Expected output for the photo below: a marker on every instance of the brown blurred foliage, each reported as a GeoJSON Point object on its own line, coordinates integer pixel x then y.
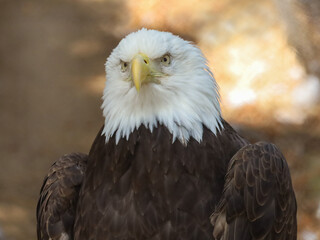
{"type": "Point", "coordinates": [264, 54]}
{"type": "Point", "coordinates": [302, 22]}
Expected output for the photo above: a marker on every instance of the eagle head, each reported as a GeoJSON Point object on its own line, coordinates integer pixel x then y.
{"type": "Point", "coordinates": [157, 78]}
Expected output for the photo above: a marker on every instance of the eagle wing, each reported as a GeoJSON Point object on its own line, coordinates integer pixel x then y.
{"type": "Point", "coordinates": [58, 197]}
{"type": "Point", "coordinates": [258, 200]}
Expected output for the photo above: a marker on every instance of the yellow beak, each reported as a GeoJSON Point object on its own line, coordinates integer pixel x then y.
{"type": "Point", "coordinates": [140, 70]}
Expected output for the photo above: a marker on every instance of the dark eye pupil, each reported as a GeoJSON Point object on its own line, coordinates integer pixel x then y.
{"type": "Point", "coordinates": [125, 64]}
{"type": "Point", "coordinates": [164, 59]}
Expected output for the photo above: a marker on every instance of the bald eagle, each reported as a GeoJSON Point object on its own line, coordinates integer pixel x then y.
{"type": "Point", "coordinates": [166, 165]}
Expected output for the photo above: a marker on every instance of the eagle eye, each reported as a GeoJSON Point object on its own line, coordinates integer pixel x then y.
{"type": "Point", "coordinates": [124, 66]}
{"type": "Point", "coordinates": [165, 60]}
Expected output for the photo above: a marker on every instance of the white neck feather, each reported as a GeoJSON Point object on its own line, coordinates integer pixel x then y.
{"type": "Point", "coordinates": [183, 113]}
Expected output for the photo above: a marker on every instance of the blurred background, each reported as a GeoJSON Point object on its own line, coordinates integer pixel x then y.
{"type": "Point", "coordinates": [265, 55]}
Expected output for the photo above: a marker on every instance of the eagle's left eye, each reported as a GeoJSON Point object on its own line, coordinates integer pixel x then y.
{"type": "Point", "coordinates": [124, 66]}
{"type": "Point", "coordinates": [165, 60]}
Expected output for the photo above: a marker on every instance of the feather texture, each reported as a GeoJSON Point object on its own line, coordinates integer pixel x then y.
{"type": "Point", "coordinates": [58, 197]}
{"type": "Point", "coordinates": [258, 200]}
{"type": "Point", "coordinates": [147, 187]}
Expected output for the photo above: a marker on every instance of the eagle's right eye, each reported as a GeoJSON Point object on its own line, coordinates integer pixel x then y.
{"type": "Point", "coordinates": [165, 60]}
{"type": "Point", "coordinates": [124, 66]}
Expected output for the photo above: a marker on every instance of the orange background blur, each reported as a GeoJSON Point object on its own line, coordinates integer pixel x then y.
{"type": "Point", "coordinates": [265, 56]}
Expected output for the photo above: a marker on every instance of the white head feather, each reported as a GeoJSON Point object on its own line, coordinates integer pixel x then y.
{"type": "Point", "coordinates": [185, 99]}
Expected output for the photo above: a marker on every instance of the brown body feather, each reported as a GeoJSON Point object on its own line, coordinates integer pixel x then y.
{"type": "Point", "coordinates": [58, 196]}
{"type": "Point", "coordinates": [258, 201]}
{"type": "Point", "coordinates": [147, 187]}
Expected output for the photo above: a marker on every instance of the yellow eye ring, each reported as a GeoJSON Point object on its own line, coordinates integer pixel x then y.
{"type": "Point", "coordinates": [165, 60]}
{"type": "Point", "coordinates": [124, 66]}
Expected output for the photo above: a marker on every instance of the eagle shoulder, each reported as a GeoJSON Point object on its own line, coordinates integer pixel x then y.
{"type": "Point", "coordinates": [258, 200]}
{"type": "Point", "coordinates": [58, 197]}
